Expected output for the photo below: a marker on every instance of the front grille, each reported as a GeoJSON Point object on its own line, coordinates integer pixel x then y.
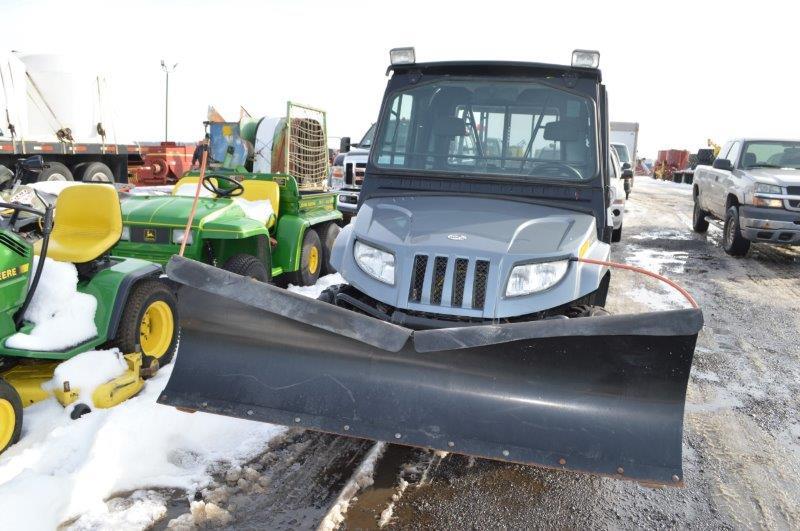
{"type": "Point", "coordinates": [439, 270]}
{"type": "Point", "coordinates": [13, 244]}
{"type": "Point", "coordinates": [459, 281]}
{"type": "Point", "coordinates": [358, 178]}
{"type": "Point", "coordinates": [479, 284]}
{"type": "Point", "coordinates": [793, 190]}
{"type": "Point", "coordinates": [417, 278]}
{"type": "Point", "coordinates": [348, 173]}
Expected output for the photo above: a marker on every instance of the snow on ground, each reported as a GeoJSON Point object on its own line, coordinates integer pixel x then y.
{"type": "Point", "coordinates": [63, 316]}
{"type": "Point", "coordinates": [661, 262]}
{"type": "Point", "coordinates": [62, 468]}
{"type": "Point", "coordinates": [323, 283]}
{"type": "Point", "coordinates": [679, 188]}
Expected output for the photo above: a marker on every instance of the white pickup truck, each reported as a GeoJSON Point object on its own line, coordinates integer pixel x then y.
{"type": "Point", "coordinates": [754, 187]}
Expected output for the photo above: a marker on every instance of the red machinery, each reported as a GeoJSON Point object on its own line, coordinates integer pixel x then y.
{"type": "Point", "coordinates": [162, 163]}
{"type": "Point", "coordinates": [670, 160]}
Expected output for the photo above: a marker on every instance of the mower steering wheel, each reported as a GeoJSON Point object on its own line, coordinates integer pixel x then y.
{"type": "Point", "coordinates": [555, 167]}
{"type": "Point", "coordinates": [236, 187]}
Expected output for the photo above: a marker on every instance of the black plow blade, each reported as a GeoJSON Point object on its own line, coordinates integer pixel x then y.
{"type": "Point", "coordinates": [603, 395]}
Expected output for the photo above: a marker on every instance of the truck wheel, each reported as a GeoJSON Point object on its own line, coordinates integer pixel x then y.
{"type": "Point", "coordinates": [329, 234]}
{"type": "Point", "coordinates": [732, 240]}
{"type": "Point", "coordinates": [247, 266]}
{"type": "Point", "coordinates": [96, 172]}
{"type": "Point", "coordinates": [699, 223]}
{"type": "Point", "coordinates": [616, 234]}
{"type": "Point", "coordinates": [310, 260]}
{"type": "Point", "coordinates": [150, 322]}
{"type": "Point", "coordinates": [10, 415]}
{"type": "Point", "coordinates": [56, 172]}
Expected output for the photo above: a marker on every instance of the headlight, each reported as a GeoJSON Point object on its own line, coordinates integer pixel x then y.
{"type": "Point", "coordinates": [374, 262]}
{"type": "Point", "coordinates": [770, 202]}
{"type": "Point", "coordinates": [177, 237]}
{"type": "Point", "coordinates": [762, 188]}
{"type": "Point", "coordinates": [530, 278]}
{"type": "Point", "coordinates": [126, 233]}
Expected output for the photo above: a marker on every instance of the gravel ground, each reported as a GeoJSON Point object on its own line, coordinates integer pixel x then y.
{"type": "Point", "coordinates": [741, 433]}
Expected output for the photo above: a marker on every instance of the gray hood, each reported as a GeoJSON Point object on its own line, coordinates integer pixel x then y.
{"type": "Point", "coordinates": [431, 235]}
{"type": "Point", "coordinates": [776, 176]}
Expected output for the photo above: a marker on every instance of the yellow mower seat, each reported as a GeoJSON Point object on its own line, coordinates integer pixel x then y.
{"type": "Point", "coordinates": [88, 223]}
{"type": "Point", "coordinates": [256, 190]}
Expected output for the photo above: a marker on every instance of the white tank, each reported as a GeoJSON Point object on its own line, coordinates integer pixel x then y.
{"type": "Point", "coordinates": [65, 92]}
{"type": "Point", "coordinates": [12, 92]}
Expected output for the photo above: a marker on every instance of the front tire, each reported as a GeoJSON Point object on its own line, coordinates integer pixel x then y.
{"type": "Point", "coordinates": [310, 260]}
{"type": "Point", "coordinates": [10, 415]}
{"type": "Point", "coordinates": [150, 322]}
{"type": "Point", "coordinates": [732, 240]}
{"type": "Point", "coordinates": [247, 266]}
{"type": "Point", "coordinates": [699, 222]}
{"type": "Point", "coordinates": [55, 172]}
{"type": "Point", "coordinates": [97, 172]}
{"type": "Point", "coordinates": [616, 235]}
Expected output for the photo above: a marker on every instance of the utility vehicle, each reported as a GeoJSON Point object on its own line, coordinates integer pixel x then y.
{"type": "Point", "coordinates": [477, 269]}
{"type": "Point", "coordinates": [275, 226]}
{"type": "Point", "coordinates": [136, 309]}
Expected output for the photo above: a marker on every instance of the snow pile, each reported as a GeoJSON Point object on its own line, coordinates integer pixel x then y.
{"type": "Point", "coordinates": [258, 210]}
{"type": "Point", "coordinates": [54, 187]}
{"type": "Point", "coordinates": [322, 284]}
{"type": "Point", "coordinates": [661, 262]}
{"type": "Point", "coordinates": [362, 479]}
{"type": "Point", "coordinates": [62, 316]}
{"type": "Point", "coordinates": [88, 370]}
{"type": "Point", "coordinates": [62, 468]}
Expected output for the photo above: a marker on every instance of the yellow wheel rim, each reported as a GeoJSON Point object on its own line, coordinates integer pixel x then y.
{"type": "Point", "coordinates": [8, 421]}
{"type": "Point", "coordinates": [313, 260]}
{"type": "Point", "coordinates": [156, 329]}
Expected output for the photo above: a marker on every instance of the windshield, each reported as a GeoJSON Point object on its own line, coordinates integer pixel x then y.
{"type": "Point", "coordinates": [622, 152]}
{"type": "Point", "coordinates": [518, 128]}
{"type": "Point", "coordinates": [366, 141]}
{"type": "Point", "coordinates": [771, 154]}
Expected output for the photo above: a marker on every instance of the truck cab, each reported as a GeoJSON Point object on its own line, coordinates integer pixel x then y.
{"type": "Point", "coordinates": [347, 174]}
{"type": "Point", "coordinates": [753, 186]}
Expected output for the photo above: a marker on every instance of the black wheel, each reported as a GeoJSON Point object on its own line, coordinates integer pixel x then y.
{"type": "Point", "coordinates": [732, 240]}
{"type": "Point", "coordinates": [150, 322]}
{"type": "Point", "coordinates": [79, 410]}
{"type": "Point", "coordinates": [586, 310]}
{"type": "Point", "coordinates": [95, 172]}
{"type": "Point", "coordinates": [329, 294]}
{"type": "Point", "coordinates": [247, 266]}
{"type": "Point", "coordinates": [616, 234]}
{"type": "Point", "coordinates": [10, 415]}
{"type": "Point", "coordinates": [310, 260]}
{"type": "Point", "coordinates": [329, 234]}
{"type": "Point", "coordinates": [55, 172]}
{"type": "Point", "coordinates": [699, 222]}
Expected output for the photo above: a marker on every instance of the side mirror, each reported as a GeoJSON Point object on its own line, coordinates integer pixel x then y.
{"type": "Point", "coordinates": [344, 144]}
{"type": "Point", "coordinates": [626, 166]}
{"type": "Point", "coordinates": [723, 164]}
{"type": "Point", "coordinates": [34, 164]}
{"type": "Point", "coordinates": [627, 173]}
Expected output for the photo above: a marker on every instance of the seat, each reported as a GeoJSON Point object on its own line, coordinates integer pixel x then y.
{"type": "Point", "coordinates": [188, 186]}
{"type": "Point", "coordinates": [88, 222]}
{"type": "Point", "coordinates": [749, 160]}
{"type": "Point", "coordinates": [258, 190]}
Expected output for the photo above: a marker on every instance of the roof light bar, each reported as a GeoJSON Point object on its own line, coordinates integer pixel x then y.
{"type": "Point", "coordinates": [586, 58]}
{"type": "Point", "coordinates": [402, 56]}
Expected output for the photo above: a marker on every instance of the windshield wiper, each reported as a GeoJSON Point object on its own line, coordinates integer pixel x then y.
{"type": "Point", "coordinates": [762, 165]}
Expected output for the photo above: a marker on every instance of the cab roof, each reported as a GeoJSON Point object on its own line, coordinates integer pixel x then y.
{"type": "Point", "coordinates": [495, 68]}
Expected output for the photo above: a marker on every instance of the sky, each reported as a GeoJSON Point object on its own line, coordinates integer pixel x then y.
{"type": "Point", "coordinates": [686, 71]}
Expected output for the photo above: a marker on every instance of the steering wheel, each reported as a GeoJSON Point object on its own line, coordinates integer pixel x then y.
{"type": "Point", "coordinates": [555, 167]}
{"type": "Point", "coordinates": [236, 187]}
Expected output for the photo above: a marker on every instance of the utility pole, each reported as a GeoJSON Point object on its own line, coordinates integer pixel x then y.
{"type": "Point", "coordinates": [167, 70]}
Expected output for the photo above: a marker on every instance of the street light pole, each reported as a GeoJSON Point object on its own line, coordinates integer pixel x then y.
{"type": "Point", "coordinates": [167, 70]}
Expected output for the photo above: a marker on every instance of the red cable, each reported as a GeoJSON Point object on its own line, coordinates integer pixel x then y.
{"type": "Point", "coordinates": [644, 272]}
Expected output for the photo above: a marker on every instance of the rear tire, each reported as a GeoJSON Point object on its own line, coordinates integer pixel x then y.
{"type": "Point", "coordinates": [150, 322]}
{"type": "Point", "coordinates": [96, 172]}
{"type": "Point", "coordinates": [699, 222]}
{"type": "Point", "coordinates": [616, 234]}
{"type": "Point", "coordinates": [55, 172]}
{"type": "Point", "coordinates": [10, 415]}
{"type": "Point", "coordinates": [732, 240]}
{"type": "Point", "coordinates": [247, 266]}
{"type": "Point", "coordinates": [329, 234]}
{"type": "Point", "coordinates": [310, 260]}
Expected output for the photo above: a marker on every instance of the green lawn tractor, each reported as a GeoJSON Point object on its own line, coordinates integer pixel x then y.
{"type": "Point", "coordinates": [136, 309]}
{"type": "Point", "coordinates": [270, 221]}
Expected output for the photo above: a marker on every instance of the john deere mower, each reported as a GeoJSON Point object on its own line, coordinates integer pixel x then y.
{"type": "Point", "coordinates": [477, 273]}
{"type": "Point", "coordinates": [136, 309]}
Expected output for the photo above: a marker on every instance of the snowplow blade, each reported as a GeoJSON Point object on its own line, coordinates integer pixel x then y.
{"type": "Point", "coordinates": [603, 395]}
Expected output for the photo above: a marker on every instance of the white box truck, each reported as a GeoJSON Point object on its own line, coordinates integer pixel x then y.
{"type": "Point", "coordinates": [626, 133]}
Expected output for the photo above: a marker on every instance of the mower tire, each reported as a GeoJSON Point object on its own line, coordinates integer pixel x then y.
{"type": "Point", "coordinates": [329, 234]}
{"type": "Point", "coordinates": [10, 415]}
{"type": "Point", "coordinates": [150, 322]}
{"type": "Point", "coordinates": [311, 256]}
{"type": "Point", "coordinates": [247, 266]}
